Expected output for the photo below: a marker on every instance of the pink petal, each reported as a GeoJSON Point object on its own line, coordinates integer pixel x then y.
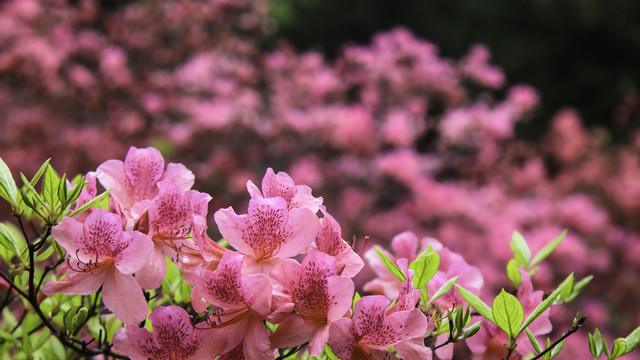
{"type": "Point", "coordinates": [343, 338]}
{"type": "Point", "coordinates": [341, 292]}
{"type": "Point", "coordinates": [293, 331]}
{"type": "Point", "coordinates": [303, 226]}
{"type": "Point", "coordinates": [253, 189]}
{"type": "Point", "coordinates": [287, 274]}
{"type": "Point", "coordinates": [111, 176]}
{"type": "Point", "coordinates": [125, 340]}
{"type": "Point", "coordinates": [405, 245]}
{"type": "Point", "coordinates": [123, 296]}
{"type": "Point", "coordinates": [400, 326]}
{"type": "Point", "coordinates": [76, 283]}
{"type": "Point", "coordinates": [134, 256]}
{"type": "Point", "coordinates": [170, 214]}
{"type": "Point", "coordinates": [257, 293]}
{"type": "Point", "coordinates": [231, 226]}
{"type": "Point", "coordinates": [143, 168]}
{"type": "Point", "coordinates": [369, 314]}
{"type": "Point", "coordinates": [224, 288]}
{"type": "Point", "coordinates": [256, 342]}
{"type": "Point", "coordinates": [102, 235]}
{"type": "Point", "coordinates": [150, 276]}
{"type": "Point", "coordinates": [319, 340]}
{"type": "Point", "coordinates": [172, 329]}
{"type": "Point", "coordinates": [415, 349]}
{"type": "Point", "coordinates": [69, 235]}
{"type": "Point", "coordinates": [180, 175]}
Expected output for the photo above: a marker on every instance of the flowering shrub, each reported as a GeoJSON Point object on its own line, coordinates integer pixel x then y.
{"type": "Point", "coordinates": [143, 243]}
{"type": "Point", "coordinates": [394, 137]}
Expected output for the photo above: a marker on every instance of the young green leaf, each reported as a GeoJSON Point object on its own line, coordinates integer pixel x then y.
{"type": "Point", "coordinates": [472, 330]}
{"type": "Point", "coordinates": [520, 249]}
{"type": "Point", "coordinates": [8, 188]}
{"type": "Point", "coordinates": [556, 350]}
{"type": "Point", "coordinates": [513, 273]}
{"type": "Point", "coordinates": [619, 348]}
{"type": "Point", "coordinates": [508, 313]}
{"type": "Point", "coordinates": [50, 184]}
{"type": "Point", "coordinates": [595, 344]}
{"type": "Point", "coordinates": [393, 268]}
{"type": "Point", "coordinates": [577, 287]}
{"type": "Point", "coordinates": [545, 304]}
{"type": "Point", "coordinates": [443, 289]}
{"type": "Point", "coordinates": [548, 249]}
{"type": "Point", "coordinates": [633, 340]}
{"type": "Point", "coordinates": [533, 341]}
{"type": "Point", "coordinates": [91, 203]}
{"type": "Point", "coordinates": [424, 267]}
{"type": "Point", "coordinates": [475, 302]}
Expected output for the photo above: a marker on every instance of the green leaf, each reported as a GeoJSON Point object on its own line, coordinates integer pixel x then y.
{"type": "Point", "coordinates": [45, 254]}
{"type": "Point", "coordinates": [41, 339]}
{"type": "Point", "coordinates": [63, 189]}
{"type": "Point", "coordinates": [424, 267]}
{"type": "Point", "coordinates": [633, 340]}
{"type": "Point", "coordinates": [595, 344]}
{"type": "Point", "coordinates": [577, 287]}
{"type": "Point", "coordinates": [69, 316]}
{"type": "Point", "coordinates": [545, 304]}
{"type": "Point", "coordinates": [393, 268]}
{"type": "Point", "coordinates": [472, 330]}
{"type": "Point", "coordinates": [533, 341]}
{"type": "Point", "coordinates": [520, 249]}
{"type": "Point", "coordinates": [356, 297]}
{"type": "Point", "coordinates": [548, 249]}
{"type": "Point", "coordinates": [38, 174]}
{"type": "Point", "coordinates": [89, 204]}
{"type": "Point", "coordinates": [330, 355]}
{"type": "Point", "coordinates": [556, 350]}
{"type": "Point", "coordinates": [513, 273]}
{"type": "Point", "coordinates": [508, 313]}
{"type": "Point", "coordinates": [475, 302]}
{"type": "Point", "coordinates": [50, 184]}
{"type": "Point", "coordinates": [8, 188]}
{"type": "Point", "coordinates": [443, 289]}
{"type": "Point", "coordinates": [619, 348]}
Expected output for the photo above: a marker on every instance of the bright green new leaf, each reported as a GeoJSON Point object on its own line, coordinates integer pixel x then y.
{"type": "Point", "coordinates": [475, 302]}
{"type": "Point", "coordinates": [548, 249]}
{"type": "Point", "coordinates": [63, 189]}
{"type": "Point", "coordinates": [595, 344]}
{"type": "Point", "coordinates": [472, 330]}
{"type": "Point", "coordinates": [424, 267]}
{"type": "Point", "coordinates": [577, 287]}
{"type": "Point", "coordinates": [330, 355]}
{"type": "Point", "coordinates": [8, 188]}
{"type": "Point", "coordinates": [520, 249]}
{"type": "Point", "coordinates": [533, 341]}
{"type": "Point", "coordinates": [546, 303]}
{"type": "Point", "coordinates": [557, 349]}
{"type": "Point", "coordinates": [393, 268]}
{"type": "Point", "coordinates": [91, 203]}
{"type": "Point", "coordinates": [443, 289]}
{"type": "Point", "coordinates": [633, 340]}
{"type": "Point", "coordinates": [356, 297]}
{"type": "Point", "coordinates": [508, 313]}
{"type": "Point", "coordinates": [513, 272]}
{"type": "Point", "coordinates": [619, 348]}
{"type": "Point", "coordinates": [50, 183]}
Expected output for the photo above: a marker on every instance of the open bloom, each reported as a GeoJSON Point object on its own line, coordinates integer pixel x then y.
{"type": "Point", "coordinates": [372, 330]}
{"type": "Point", "coordinates": [312, 297]}
{"type": "Point", "coordinates": [168, 219]}
{"type": "Point", "coordinates": [269, 233]}
{"type": "Point", "coordinates": [173, 338]}
{"type": "Point", "coordinates": [101, 254]}
{"type": "Point", "coordinates": [329, 241]}
{"type": "Point", "coordinates": [282, 185]}
{"type": "Point", "coordinates": [243, 304]}
{"type": "Point", "coordinates": [135, 179]}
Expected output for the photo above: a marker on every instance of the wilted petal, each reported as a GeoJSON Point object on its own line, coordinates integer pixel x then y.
{"type": "Point", "coordinates": [123, 296]}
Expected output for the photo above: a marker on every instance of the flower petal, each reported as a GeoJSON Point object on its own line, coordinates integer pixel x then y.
{"type": "Point", "coordinates": [291, 332]}
{"type": "Point", "coordinates": [111, 176]}
{"type": "Point", "coordinates": [231, 226]}
{"type": "Point", "coordinates": [136, 252]}
{"type": "Point", "coordinates": [76, 283]}
{"type": "Point", "coordinates": [126, 339]}
{"type": "Point", "coordinates": [150, 276]}
{"type": "Point", "coordinates": [180, 175]}
{"type": "Point", "coordinates": [123, 296]}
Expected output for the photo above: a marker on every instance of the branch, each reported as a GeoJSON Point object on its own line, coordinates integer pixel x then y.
{"type": "Point", "coordinates": [580, 319]}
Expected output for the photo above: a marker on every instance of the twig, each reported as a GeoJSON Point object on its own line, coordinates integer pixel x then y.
{"type": "Point", "coordinates": [580, 319]}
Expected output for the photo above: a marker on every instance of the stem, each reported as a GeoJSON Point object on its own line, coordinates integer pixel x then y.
{"type": "Point", "coordinates": [449, 340]}
{"type": "Point", "coordinates": [580, 319]}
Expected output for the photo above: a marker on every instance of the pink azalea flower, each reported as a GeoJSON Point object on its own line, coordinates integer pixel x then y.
{"type": "Point", "coordinates": [135, 179]}
{"type": "Point", "coordinates": [372, 331]}
{"type": "Point", "coordinates": [174, 337]}
{"type": "Point", "coordinates": [168, 219]}
{"type": "Point", "coordinates": [244, 302]}
{"type": "Point", "coordinates": [101, 254]}
{"type": "Point", "coordinates": [269, 232]}
{"type": "Point", "coordinates": [281, 184]}
{"type": "Point", "coordinates": [329, 241]}
{"type": "Point", "coordinates": [488, 342]}
{"type": "Point", "coordinates": [313, 296]}
{"type": "Point", "coordinates": [405, 245]}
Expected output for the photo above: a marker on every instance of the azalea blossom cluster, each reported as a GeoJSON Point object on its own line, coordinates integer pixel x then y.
{"type": "Point", "coordinates": [395, 136]}
{"type": "Point", "coordinates": [288, 268]}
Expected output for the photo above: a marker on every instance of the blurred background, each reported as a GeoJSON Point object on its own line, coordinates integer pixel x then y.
{"type": "Point", "coordinates": [463, 120]}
